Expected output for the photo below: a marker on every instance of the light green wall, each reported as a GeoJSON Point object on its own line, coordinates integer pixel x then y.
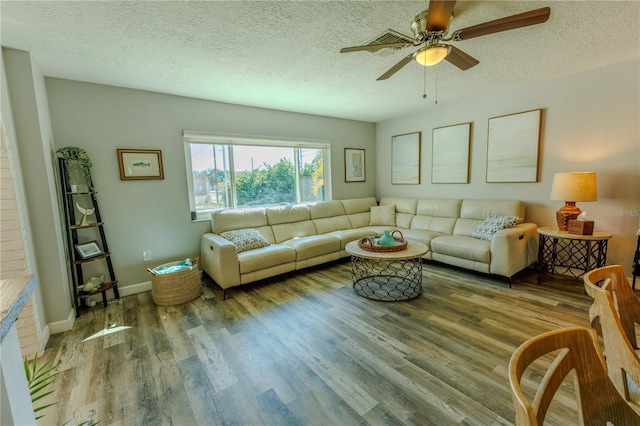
{"type": "Point", "coordinates": [154, 214]}
{"type": "Point", "coordinates": [590, 123]}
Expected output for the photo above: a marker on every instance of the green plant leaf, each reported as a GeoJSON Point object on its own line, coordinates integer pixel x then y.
{"type": "Point", "coordinates": [27, 370]}
{"type": "Point", "coordinates": [35, 410]}
{"type": "Point", "coordinates": [40, 379]}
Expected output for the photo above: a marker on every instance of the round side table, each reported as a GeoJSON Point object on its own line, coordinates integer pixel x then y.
{"type": "Point", "coordinates": [560, 252]}
{"type": "Point", "coordinates": [387, 276]}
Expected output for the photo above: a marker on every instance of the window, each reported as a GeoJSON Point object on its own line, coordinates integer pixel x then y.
{"type": "Point", "coordinates": [237, 172]}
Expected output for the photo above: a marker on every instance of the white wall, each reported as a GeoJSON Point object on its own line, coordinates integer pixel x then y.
{"type": "Point", "coordinates": [590, 123]}
{"type": "Point", "coordinates": [29, 141]}
{"type": "Point", "coordinates": [154, 214]}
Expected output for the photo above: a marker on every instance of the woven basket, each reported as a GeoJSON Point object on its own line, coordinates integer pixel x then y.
{"type": "Point", "coordinates": [177, 287]}
{"type": "Point", "coordinates": [368, 245]}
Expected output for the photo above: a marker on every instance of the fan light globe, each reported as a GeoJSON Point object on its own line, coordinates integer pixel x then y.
{"type": "Point", "coordinates": [432, 55]}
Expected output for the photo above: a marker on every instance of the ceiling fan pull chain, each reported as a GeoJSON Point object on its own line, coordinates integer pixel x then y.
{"type": "Point", "coordinates": [424, 87]}
{"type": "Point", "coordinates": [436, 85]}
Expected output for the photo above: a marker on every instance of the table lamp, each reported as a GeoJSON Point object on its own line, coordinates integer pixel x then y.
{"type": "Point", "coordinates": [572, 187]}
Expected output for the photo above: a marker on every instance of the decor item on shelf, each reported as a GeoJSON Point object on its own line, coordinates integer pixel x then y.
{"type": "Point", "coordinates": [572, 187]}
{"type": "Point", "coordinates": [386, 240]}
{"type": "Point", "coordinates": [93, 283]}
{"type": "Point", "coordinates": [78, 167]}
{"type": "Point", "coordinates": [89, 250]}
{"type": "Point", "coordinates": [84, 212]}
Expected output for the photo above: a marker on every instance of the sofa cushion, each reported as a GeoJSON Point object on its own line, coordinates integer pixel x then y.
{"type": "Point", "coordinates": [403, 204]}
{"type": "Point", "coordinates": [314, 245]}
{"type": "Point", "coordinates": [487, 229]}
{"type": "Point", "coordinates": [383, 215]}
{"type": "Point", "coordinates": [439, 207]}
{"type": "Point", "coordinates": [462, 247]}
{"type": "Point", "coordinates": [347, 235]}
{"type": "Point", "coordinates": [358, 205]}
{"type": "Point", "coordinates": [265, 257]}
{"type": "Point", "coordinates": [420, 235]}
{"type": "Point", "coordinates": [326, 209]}
{"type": "Point", "coordinates": [329, 224]}
{"type": "Point", "coordinates": [481, 209]}
{"type": "Point", "coordinates": [359, 220]}
{"type": "Point", "coordinates": [287, 214]}
{"type": "Point", "coordinates": [228, 220]}
{"type": "Point", "coordinates": [245, 239]}
{"type": "Point", "coordinates": [443, 225]}
{"type": "Point", "coordinates": [358, 211]}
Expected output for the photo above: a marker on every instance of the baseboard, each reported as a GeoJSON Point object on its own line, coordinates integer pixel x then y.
{"type": "Point", "coordinates": [135, 289]}
{"type": "Point", "coordinates": [67, 324]}
{"type": "Point", "coordinates": [64, 325]}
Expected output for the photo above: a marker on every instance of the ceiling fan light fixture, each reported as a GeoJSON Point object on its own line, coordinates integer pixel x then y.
{"type": "Point", "coordinates": [432, 55]}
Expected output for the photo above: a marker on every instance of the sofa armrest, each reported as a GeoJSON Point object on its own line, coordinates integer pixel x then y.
{"type": "Point", "coordinates": [513, 249]}
{"type": "Point", "coordinates": [219, 259]}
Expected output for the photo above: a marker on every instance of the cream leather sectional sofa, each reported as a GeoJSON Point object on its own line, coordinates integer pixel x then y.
{"type": "Point", "coordinates": [300, 236]}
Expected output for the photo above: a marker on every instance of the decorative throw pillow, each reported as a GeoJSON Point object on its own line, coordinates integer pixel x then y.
{"type": "Point", "coordinates": [493, 224]}
{"type": "Point", "coordinates": [383, 215]}
{"type": "Point", "coordinates": [245, 239]}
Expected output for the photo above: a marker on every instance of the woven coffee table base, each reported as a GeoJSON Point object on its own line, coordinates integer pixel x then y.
{"type": "Point", "coordinates": [387, 280]}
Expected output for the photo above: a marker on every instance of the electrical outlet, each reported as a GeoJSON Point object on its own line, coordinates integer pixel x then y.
{"type": "Point", "coordinates": [146, 255]}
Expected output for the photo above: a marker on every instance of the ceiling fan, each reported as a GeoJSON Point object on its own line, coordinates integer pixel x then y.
{"type": "Point", "coordinates": [430, 29]}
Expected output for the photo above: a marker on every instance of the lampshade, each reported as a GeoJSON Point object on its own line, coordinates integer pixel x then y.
{"type": "Point", "coordinates": [574, 186]}
{"type": "Point", "coordinates": [432, 55]}
{"type": "Point", "coordinates": [571, 187]}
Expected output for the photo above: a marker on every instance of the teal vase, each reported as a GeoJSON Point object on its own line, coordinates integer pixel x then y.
{"type": "Point", "coordinates": [386, 240]}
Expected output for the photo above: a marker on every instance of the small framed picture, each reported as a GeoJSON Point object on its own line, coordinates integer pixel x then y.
{"type": "Point", "coordinates": [138, 164]}
{"type": "Point", "coordinates": [89, 250]}
{"type": "Point", "coordinates": [354, 165]}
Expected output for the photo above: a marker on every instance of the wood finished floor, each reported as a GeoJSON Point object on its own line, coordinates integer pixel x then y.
{"type": "Point", "coordinates": [304, 349]}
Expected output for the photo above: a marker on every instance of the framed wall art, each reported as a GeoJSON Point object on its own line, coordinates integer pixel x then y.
{"type": "Point", "coordinates": [354, 170]}
{"type": "Point", "coordinates": [450, 154]}
{"type": "Point", "coordinates": [89, 250]}
{"type": "Point", "coordinates": [512, 147]}
{"type": "Point", "coordinates": [138, 164]}
{"type": "Point", "coordinates": [405, 158]}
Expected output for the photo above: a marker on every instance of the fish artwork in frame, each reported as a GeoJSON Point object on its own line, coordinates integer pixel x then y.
{"type": "Point", "coordinates": [139, 164]}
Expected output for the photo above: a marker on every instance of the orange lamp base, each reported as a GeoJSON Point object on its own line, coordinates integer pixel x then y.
{"type": "Point", "coordinates": [566, 213]}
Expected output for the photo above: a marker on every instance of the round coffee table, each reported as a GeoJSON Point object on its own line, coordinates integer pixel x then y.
{"type": "Point", "coordinates": [387, 276]}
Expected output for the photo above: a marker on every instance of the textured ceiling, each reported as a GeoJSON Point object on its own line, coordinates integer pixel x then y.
{"type": "Point", "coordinates": [285, 54]}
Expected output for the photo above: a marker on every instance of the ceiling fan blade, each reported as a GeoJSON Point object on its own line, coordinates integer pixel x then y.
{"type": "Point", "coordinates": [394, 69]}
{"type": "Point", "coordinates": [460, 59]}
{"type": "Point", "coordinates": [520, 20]}
{"type": "Point", "coordinates": [440, 12]}
{"type": "Point", "coordinates": [374, 47]}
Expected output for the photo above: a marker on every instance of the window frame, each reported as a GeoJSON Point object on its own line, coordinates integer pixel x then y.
{"type": "Point", "coordinates": [201, 137]}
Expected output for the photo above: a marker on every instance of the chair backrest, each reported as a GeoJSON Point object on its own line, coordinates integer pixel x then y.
{"type": "Point", "coordinates": [614, 312]}
{"type": "Point", "coordinates": [598, 400]}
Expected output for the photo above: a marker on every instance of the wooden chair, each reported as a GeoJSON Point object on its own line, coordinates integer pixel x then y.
{"type": "Point", "coordinates": [614, 313]}
{"type": "Point", "coordinates": [598, 400]}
